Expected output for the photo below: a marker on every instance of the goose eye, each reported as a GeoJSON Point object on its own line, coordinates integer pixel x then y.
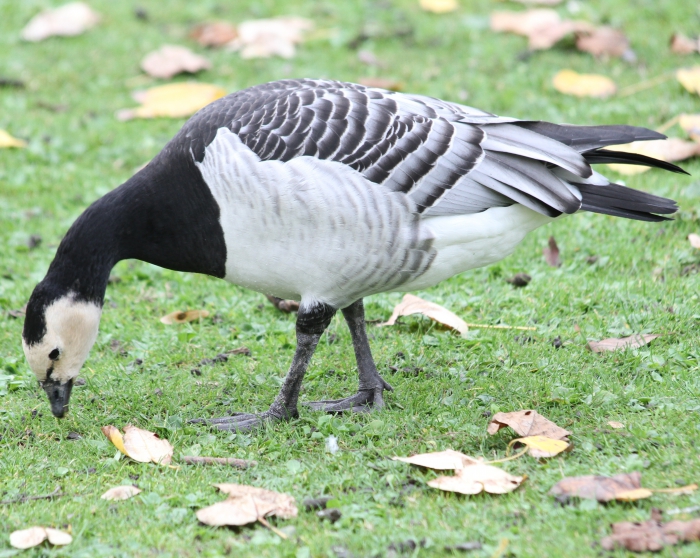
{"type": "Point", "coordinates": [53, 355]}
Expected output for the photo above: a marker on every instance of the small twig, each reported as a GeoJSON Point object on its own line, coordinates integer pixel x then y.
{"type": "Point", "coordinates": [55, 494]}
{"type": "Point", "coordinates": [272, 528]}
{"type": "Point", "coordinates": [668, 124]}
{"type": "Point", "coordinates": [232, 461]}
{"type": "Point", "coordinates": [521, 328]}
{"type": "Point", "coordinates": [642, 85]}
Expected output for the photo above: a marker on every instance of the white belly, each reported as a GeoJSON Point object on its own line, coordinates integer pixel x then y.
{"type": "Point", "coordinates": [466, 242]}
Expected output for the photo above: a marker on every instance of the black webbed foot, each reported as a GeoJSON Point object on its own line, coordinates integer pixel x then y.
{"type": "Point", "coordinates": [364, 401]}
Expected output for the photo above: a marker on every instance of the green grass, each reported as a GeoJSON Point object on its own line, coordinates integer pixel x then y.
{"type": "Point", "coordinates": [81, 151]}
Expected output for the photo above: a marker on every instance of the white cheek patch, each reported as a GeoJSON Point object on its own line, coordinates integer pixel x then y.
{"type": "Point", "coordinates": [71, 326]}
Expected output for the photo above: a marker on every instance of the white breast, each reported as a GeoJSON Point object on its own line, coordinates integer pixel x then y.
{"type": "Point", "coordinates": [310, 228]}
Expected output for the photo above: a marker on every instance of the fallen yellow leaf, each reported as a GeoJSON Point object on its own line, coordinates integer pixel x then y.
{"type": "Point", "coordinates": [477, 478]}
{"type": "Point", "coordinates": [439, 6]}
{"type": "Point", "coordinates": [669, 150]}
{"type": "Point", "coordinates": [689, 78]}
{"type": "Point", "coordinates": [583, 85]}
{"type": "Point", "coordinates": [113, 435]}
{"type": "Point", "coordinates": [174, 100]}
{"type": "Point", "coordinates": [178, 317]}
{"type": "Point", "coordinates": [140, 445]}
{"type": "Point", "coordinates": [6, 140]}
{"type": "Point", "coordinates": [411, 304]}
{"type": "Point", "coordinates": [543, 447]}
{"type": "Point", "coordinates": [632, 495]}
{"type": "Point", "coordinates": [121, 492]}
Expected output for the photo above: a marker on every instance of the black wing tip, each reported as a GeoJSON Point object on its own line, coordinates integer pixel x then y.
{"type": "Point", "coordinates": [621, 201]}
{"type": "Point", "coordinates": [608, 156]}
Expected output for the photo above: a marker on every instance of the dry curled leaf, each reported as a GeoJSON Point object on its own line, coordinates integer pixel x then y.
{"type": "Point", "coordinates": [170, 60]}
{"type": "Point", "coordinates": [121, 492]}
{"type": "Point", "coordinates": [447, 460]}
{"type": "Point", "coordinates": [542, 447]}
{"type": "Point", "coordinates": [34, 536]}
{"type": "Point", "coordinates": [439, 6]}
{"type": "Point", "coordinates": [6, 140]}
{"type": "Point", "coordinates": [694, 240]}
{"type": "Point", "coordinates": [140, 445]}
{"type": "Point", "coordinates": [214, 34]}
{"type": "Point", "coordinates": [624, 486]}
{"type": "Point", "coordinates": [174, 100]}
{"type": "Point", "coordinates": [67, 20]}
{"type": "Point", "coordinates": [246, 504]}
{"type": "Point", "coordinates": [583, 85]}
{"type": "Point", "coordinates": [411, 304]}
{"type": "Point", "coordinates": [651, 535]}
{"type": "Point", "coordinates": [262, 38]}
{"type": "Point", "coordinates": [603, 41]}
{"type": "Point", "coordinates": [669, 150]}
{"type": "Point", "coordinates": [476, 478]}
{"type": "Point", "coordinates": [613, 344]}
{"type": "Point", "coordinates": [551, 253]}
{"type": "Point", "coordinates": [179, 317]}
{"type": "Point", "coordinates": [527, 423]}
{"type": "Point", "coordinates": [680, 44]}
{"type": "Point", "coordinates": [689, 78]}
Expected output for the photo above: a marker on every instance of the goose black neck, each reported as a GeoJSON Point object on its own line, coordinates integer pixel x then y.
{"type": "Point", "coordinates": [164, 215]}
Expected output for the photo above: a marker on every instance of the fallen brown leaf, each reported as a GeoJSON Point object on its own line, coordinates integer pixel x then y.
{"type": "Point", "coordinates": [6, 140]}
{"type": "Point", "coordinates": [174, 100]}
{"type": "Point", "coordinates": [615, 424]}
{"type": "Point", "coordinates": [551, 253]}
{"type": "Point", "coordinates": [542, 447]}
{"type": "Point", "coordinates": [381, 83]}
{"type": "Point", "coordinates": [476, 478]}
{"type": "Point", "coordinates": [262, 38]}
{"type": "Point", "coordinates": [603, 41]}
{"type": "Point", "coordinates": [543, 27]}
{"type": "Point", "coordinates": [179, 317]}
{"type": "Point", "coordinates": [625, 486]}
{"type": "Point", "coordinates": [214, 34]}
{"type": "Point", "coordinates": [246, 504]}
{"type": "Point", "coordinates": [283, 305]}
{"type": "Point", "coordinates": [34, 536]}
{"type": "Point", "coordinates": [583, 85]}
{"type": "Point", "coordinates": [694, 240]}
{"type": "Point", "coordinates": [519, 280]}
{"type": "Point", "coordinates": [669, 150]}
{"type": "Point", "coordinates": [613, 344]}
{"type": "Point", "coordinates": [439, 6]}
{"type": "Point", "coordinates": [680, 44]}
{"type": "Point", "coordinates": [411, 304]}
{"type": "Point", "coordinates": [121, 492]}
{"type": "Point", "coordinates": [691, 125]}
{"type": "Point", "coordinates": [140, 445]}
{"type": "Point", "coordinates": [651, 535]}
{"type": "Point", "coordinates": [447, 460]}
{"type": "Point", "coordinates": [67, 21]}
{"type": "Point", "coordinates": [170, 60]}
{"type": "Point", "coordinates": [527, 423]}
{"type": "Point", "coordinates": [689, 78]}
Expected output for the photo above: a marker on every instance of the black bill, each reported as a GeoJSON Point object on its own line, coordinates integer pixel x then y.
{"type": "Point", "coordinates": [59, 395]}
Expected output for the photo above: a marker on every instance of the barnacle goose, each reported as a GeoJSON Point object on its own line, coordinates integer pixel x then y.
{"type": "Point", "coordinates": [326, 192]}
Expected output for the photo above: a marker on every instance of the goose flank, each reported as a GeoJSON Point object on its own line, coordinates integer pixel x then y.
{"type": "Point", "coordinates": [326, 192]}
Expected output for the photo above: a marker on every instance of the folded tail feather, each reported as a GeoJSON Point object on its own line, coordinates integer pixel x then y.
{"type": "Point", "coordinates": [622, 201]}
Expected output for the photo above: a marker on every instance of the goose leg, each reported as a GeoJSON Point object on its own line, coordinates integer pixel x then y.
{"type": "Point", "coordinates": [372, 385]}
{"type": "Point", "coordinates": [311, 323]}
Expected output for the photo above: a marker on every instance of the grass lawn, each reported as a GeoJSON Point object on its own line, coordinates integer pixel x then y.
{"type": "Point", "coordinates": [139, 371]}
